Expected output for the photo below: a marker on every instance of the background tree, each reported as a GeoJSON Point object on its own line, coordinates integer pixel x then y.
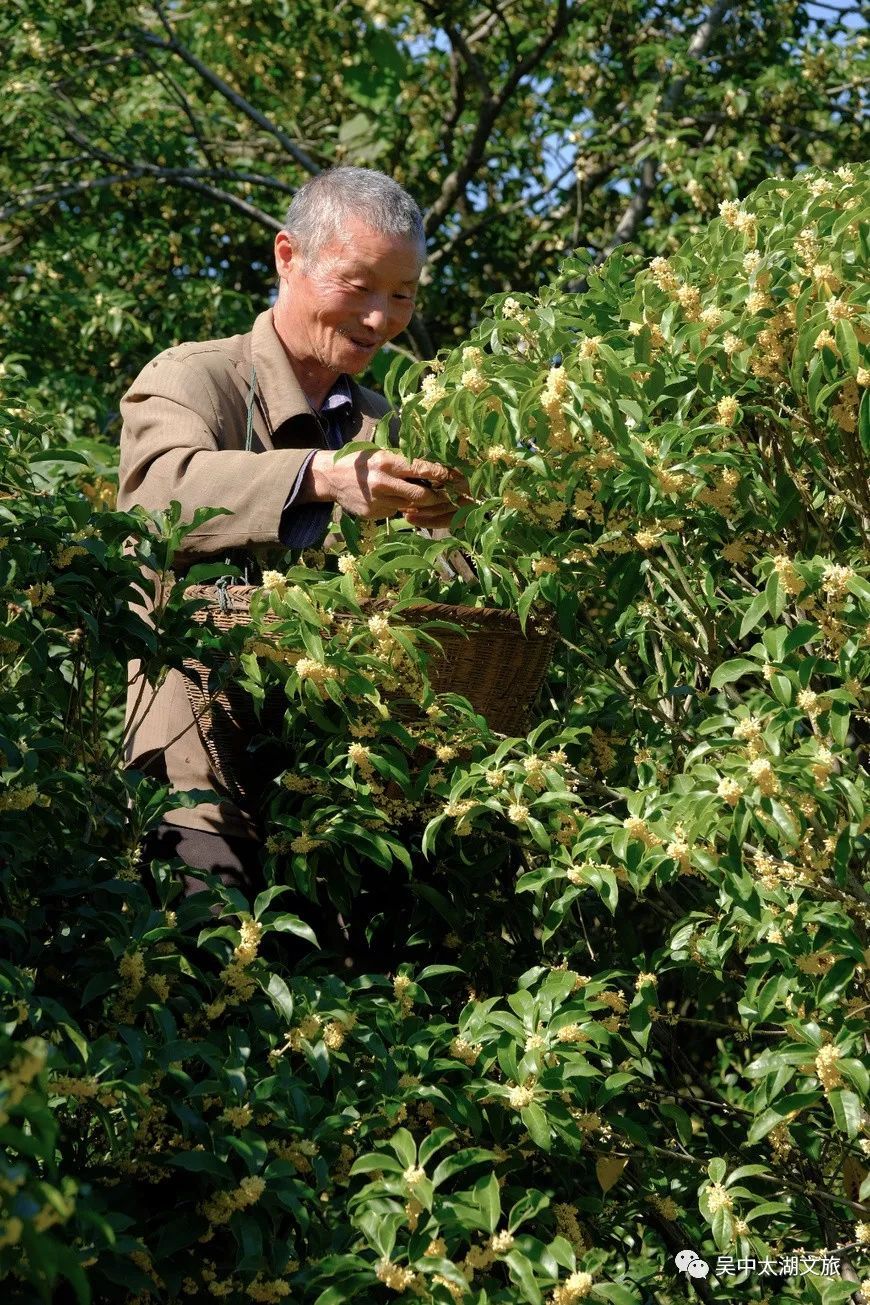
{"type": "Point", "coordinates": [151, 151]}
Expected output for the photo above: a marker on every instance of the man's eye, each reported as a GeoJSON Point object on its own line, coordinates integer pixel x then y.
{"type": "Point", "coordinates": [361, 289]}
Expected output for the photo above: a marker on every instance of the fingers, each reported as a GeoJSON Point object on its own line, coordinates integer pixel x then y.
{"type": "Point", "coordinates": [434, 517]}
{"type": "Point", "coordinates": [406, 492]}
{"type": "Point", "coordinates": [432, 471]}
{"type": "Point", "coordinates": [419, 469]}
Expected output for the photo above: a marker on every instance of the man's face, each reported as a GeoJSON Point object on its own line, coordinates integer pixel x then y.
{"type": "Point", "coordinates": [356, 293]}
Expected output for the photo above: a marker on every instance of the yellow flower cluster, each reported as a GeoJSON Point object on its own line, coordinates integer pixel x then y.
{"type": "Point", "coordinates": [727, 410]}
{"type": "Point", "coordinates": [307, 668]}
{"type": "Point", "coordinates": [762, 772]}
{"type": "Point", "coordinates": [823, 766]}
{"type": "Point", "coordinates": [235, 974]}
{"type": "Point", "coordinates": [80, 1089]}
{"type": "Point", "coordinates": [67, 554]}
{"type": "Point", "coordinates": [274, 582]}
{"type": "Point", "coordinates": [718, 1198]}
{"type": "Point", "coordinates": [298, 1153]}
{"type": "Point", "coordinates": [268, 1289]}
{"type": "Point", "coordinates": [40, 594]}
{"type": "Point", "coordinates": [18, 1076]}
{"type": "Point", "coordinates": [576, 1287]}
{"type": "Point", "coordinates": [835, 582]}
{"type": "Point", "coordinates": [465, 1051]}
{"type": "Point", "coordinates": [826, 1068]}
{"type": "Point", "coordinates": [570, 1034]}
{"type": "Point", "coordinates": [334, 1035]}
{"type": "Point", "coordinates": [521, 1096]}
{"type": "Point", "coordinates": [238, 1116]}
{"type": "Point", "coordinates": [220, 1208]}
{"type": "Point", "coordinates": [360, 756]}
{"type": "Point", "coordinates": [432, 392]}
{"type": "Point", "coordinates": [512, 309]}
{"type": "Point", "coordinates": [640, 830]}
{"type": "Point", "coordinates": [553, 399]}
{"type": "Point", "coordinates": [19, 799]}
{"type": "Point", "coordinates": [720, 495]}
{"type": "Point", "coordinates": [131, 967]}
{"type": "Point", "coordinates": [666, 1206]}
{"type": "Point", "coordinates": [648, 538]}
{"type": "Point", "coordinates": [474, 381]}
{"type": "Point", "coordinates": [518, 814]}
{"type": "Point", "coordinates": [568, 1225]}
{"type": "Point", "coordinates": [396, 1276]}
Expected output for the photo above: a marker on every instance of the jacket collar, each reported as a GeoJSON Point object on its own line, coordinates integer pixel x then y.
{"type": "Point", "coordinates": [277, 387]}
{"type": "Point", "coordinates": [279, 390]}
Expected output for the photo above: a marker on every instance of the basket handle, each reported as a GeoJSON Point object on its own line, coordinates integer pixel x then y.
{"type": "Point", "coordinates": [222, 583]}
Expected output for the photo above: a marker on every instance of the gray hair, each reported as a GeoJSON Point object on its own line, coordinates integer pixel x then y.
{"type": "Point", "coordinates": [322, 205]}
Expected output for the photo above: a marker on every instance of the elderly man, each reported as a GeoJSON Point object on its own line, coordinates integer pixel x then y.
{"type": "Point", "coordinates": [348, 260]}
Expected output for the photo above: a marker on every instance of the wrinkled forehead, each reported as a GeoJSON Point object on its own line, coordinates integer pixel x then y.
{"type": "Point", "coordinates": [363, 250]}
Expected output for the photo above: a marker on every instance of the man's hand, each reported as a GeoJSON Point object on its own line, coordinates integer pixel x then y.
{"type": "Point", "coordinates": [380, 483]}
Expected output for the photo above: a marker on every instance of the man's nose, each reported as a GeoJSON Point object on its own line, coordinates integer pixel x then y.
{"type": "Point", "coordinates": [376, 313]}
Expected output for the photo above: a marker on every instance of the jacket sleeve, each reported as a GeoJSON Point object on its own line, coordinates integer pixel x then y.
{"type": "Point", "coordinates": [171, 448]}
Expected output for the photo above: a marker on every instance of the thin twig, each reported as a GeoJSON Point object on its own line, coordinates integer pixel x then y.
{"type": "Point", "coordinates": [174, 46]}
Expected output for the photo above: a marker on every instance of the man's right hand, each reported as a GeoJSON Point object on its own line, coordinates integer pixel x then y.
{"type": "Point", "coordinates": [380, 483]}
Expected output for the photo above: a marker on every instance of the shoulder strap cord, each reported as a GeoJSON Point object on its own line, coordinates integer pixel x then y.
{"type": "Point", "coordinates": [224, 581]}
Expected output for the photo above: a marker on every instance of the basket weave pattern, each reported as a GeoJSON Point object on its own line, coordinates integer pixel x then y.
{"type": "Point", "coordinates": [489, 661]}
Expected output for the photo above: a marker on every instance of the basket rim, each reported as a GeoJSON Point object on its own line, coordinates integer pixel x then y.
{"type": "Point", "coordinates": [459, 613]}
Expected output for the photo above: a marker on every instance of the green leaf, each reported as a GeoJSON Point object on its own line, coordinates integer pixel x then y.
{"type": "Point", "coordinates": [526, 1208]}
{"type": "Point", "coordinates": [377, 1161]}
{"type": "Point", "coordinates": [723, 1229]}
{"type": "Point", "coordinates": [523, 1277]}
{"type": "Point", "coordinates": [267, 896]}
{"type": "Point", "coordinates": [848, 344]}
{"type": "Point", "coordinates": [538, 1128]}
{"type": "Point", "coordinates": [488, 1196]}
{"type": "Point", "coordinates": [680, 1118]}
{"type": "Point", "coordinates": [454, 1164]}
{"type": "Point", "coordinates": [199, 1162]}
{"type": "Point", "coordinates": [732, 670]}
{"type": "Point", "coordinates": [847, 1111]}
{"type": "Point", "coordinates": [282, 998]}
{"type": "Point", "coordinates": [405, 1147]}
{"type": "Point", "coordinates": [616, 1293]}
{"type": "Point", "coordinates": [754, 612]}
{"type": "Point", "coordinates": [717, 1170]}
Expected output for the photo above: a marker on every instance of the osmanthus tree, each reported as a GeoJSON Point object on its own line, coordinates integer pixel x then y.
{"type": "Point", "coordinates": [617, 1001]}
{"type": "Point", "coordinates": [150, 150]}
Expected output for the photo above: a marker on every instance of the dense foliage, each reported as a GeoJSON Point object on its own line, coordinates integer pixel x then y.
{"type": "Point", "coordinates": [614, 1003]}
{"type": "Point", "coordinates": [150, 150]}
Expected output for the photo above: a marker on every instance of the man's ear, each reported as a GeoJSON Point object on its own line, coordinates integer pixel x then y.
{"type": "Point", "coordinates": [285, 254]}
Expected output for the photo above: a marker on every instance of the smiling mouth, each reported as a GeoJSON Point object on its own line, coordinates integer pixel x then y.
{"type": "Point", "coordinates": [360, 342]}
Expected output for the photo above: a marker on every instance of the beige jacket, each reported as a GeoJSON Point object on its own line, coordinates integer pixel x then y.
{"type": "Point", "coordinates": [184, 438]}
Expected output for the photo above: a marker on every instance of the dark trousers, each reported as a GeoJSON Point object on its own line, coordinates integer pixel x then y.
{"type": "Point", "coordinates": [235, 861]}
{"type": "Point", "coordinates": [238, 863]}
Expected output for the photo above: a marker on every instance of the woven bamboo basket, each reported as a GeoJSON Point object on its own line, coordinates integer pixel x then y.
{"type": "Point", "coordinates": [488, 660]}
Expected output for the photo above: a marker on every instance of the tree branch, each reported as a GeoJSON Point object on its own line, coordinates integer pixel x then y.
{"type": "Point", "coordinates": [184, 177]}
{"type": "Point", "coordinates": [174, 46]}
{"type": "Point", "coordinates": [461, 46]}
{"type": "Point", "coordinates": [638, 205]}
{"type": "Point", "coordinates": [592, 176]}
{"type": "Point", "coordinates": [457, 181]}
{"type": "Point", "coordinates": [186, 108]}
